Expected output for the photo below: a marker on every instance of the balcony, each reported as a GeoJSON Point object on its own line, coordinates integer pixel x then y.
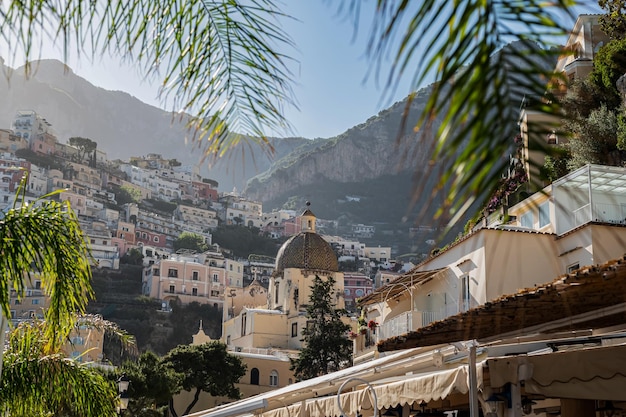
{"type": "Point", "coordinates": [412, 320]}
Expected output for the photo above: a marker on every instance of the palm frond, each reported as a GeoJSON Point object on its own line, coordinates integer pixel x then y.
{"type": "Point", "coordinates": [45, 239]}
{"type": "Point", "coordinates": [479, 85]}
{"type": "Point", "coordinates": [218, 60]}
{"type": "Point", "coordinates": [35, 383]}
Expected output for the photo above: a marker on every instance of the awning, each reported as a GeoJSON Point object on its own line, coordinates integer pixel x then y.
{"type": "Point", "coordinates": [407, 390]}
{"type": "Point", "coordinates": [593, 373]}
{"type": "Point", "coordinates": [395, 364]}
{"type": "Point", "coordinates": [399, 285]}
{"type": "Point", "coordinates": [398, 378]}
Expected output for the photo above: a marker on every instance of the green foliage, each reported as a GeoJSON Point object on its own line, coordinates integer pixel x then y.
{"type": "Point", "coordinates": [39, 382]}
{"type": "Point", "coordinates": [556, 165]}
{"type": "Point", "coordinates": [609, 64]}
{"type": "Point", "coordinates": [327, 348]}
{"type": "Point", "coordinates": [46, 238]}
{"type": "Point", "coordinates": [207, 367]}
{"type": "Point", "coordinates": [621, 131]}
{"type": "Point", "coordinates": [132, 257]}
{"type": "Point", "coordinates": [127, 194]}
{"type": "Point", "coordinates": [243, 241]}
{"type": "Point", "coordinates": [594, 139]}
{"type": "Point", "coordinates": [47, 161]}
{"type": "Point", "coordinates": [613, 22]}
{"type": "Point", "coordinates": [161, 206]}
{"type": "Point", "coordinates": [152, 383]}
{"type": "Point", "coordinates": [184, 320]}
{"type": "Point", "coordinates": [191, 241]}
{"type": "Point", "coordinates": [85, 146]}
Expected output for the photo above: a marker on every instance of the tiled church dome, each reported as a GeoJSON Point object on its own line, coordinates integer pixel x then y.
{"type": "Point", "coordinates": [306, 250]}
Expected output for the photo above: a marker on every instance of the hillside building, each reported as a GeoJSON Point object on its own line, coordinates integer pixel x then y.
{"type": "Point", "coordinates": [11, 142]}
{"type": "Point", "coordinates": [186, 278]}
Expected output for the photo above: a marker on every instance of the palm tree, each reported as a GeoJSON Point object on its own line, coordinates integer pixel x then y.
{"type": "Point", "coordinates": [223, 61]}
{"type": "Point", "coordinates": [37, 382]}
{"type": "Point", "coordinates": [44, 239]}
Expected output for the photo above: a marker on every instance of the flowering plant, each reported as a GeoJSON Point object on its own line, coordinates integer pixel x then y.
{"type": "Point", "coordinates": [352, 335]}
{"type": "Point", "coordinates": [372, 324]}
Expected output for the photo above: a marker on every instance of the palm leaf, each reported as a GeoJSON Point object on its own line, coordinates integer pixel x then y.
{"type": "Point", "coordinates": [218, 60]}
{"type": "Point", "coordinates": [45, 239]}
{"type": "Point", "coordinates": [35, 383]}
{"type": "Point", "coordinates": [478, 87]}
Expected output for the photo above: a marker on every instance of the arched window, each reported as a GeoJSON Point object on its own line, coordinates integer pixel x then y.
{"type": "Point", "coordinates": [254, 376]}
{"type": "Point", "coordinates": [274, 378]}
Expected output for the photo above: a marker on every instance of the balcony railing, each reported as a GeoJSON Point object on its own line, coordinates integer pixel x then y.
{"type": "Point", "coordinates": [412, 320]}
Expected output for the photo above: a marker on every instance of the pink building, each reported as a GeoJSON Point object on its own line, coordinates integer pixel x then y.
{"type": "Point", "coordinates": [355, 286]}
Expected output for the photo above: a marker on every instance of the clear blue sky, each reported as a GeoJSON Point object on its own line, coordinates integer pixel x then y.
{"type": "Point", "coordinates": [330, 86]}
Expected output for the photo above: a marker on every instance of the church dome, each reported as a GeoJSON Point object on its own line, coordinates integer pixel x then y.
{"type": "Point", "coordinates": [307, 250]}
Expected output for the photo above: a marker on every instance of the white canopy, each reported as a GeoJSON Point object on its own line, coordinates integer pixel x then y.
{"type": "Point", "coordinates": [394, 378]}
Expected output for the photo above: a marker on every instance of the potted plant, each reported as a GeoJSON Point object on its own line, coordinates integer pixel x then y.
{"type": "Point", "coordinates": [372, 325]}
{"type": "Point", "coordinates": [352, 335]}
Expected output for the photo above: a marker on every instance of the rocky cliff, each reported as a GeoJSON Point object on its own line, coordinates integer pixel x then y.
{"type": "Point", "coordinates": [370, 150]}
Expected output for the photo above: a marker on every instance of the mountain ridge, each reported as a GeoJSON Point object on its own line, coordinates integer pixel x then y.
{"type": "Point", "coordinates": [121, 124]}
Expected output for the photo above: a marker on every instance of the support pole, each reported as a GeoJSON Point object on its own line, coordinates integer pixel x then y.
{"type": "Point", "coordinates": [473, 382]}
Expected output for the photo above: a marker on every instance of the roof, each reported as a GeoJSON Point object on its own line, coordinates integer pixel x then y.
{"type": "Point", "coordinates": [306, 250]}
{"type": "Point", "coordinates": [399, 285]}
{"type": "Point", "coordinates": [592, 297]}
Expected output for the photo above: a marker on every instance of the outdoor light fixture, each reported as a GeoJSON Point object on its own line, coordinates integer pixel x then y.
{"type": "Point", "coordinates": [527, 405]}
{"type": "Point", "coordinates": [122, 387]}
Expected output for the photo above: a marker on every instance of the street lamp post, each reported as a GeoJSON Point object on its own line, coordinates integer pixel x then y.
{"type": "Point", "coordinates": [122, 388]}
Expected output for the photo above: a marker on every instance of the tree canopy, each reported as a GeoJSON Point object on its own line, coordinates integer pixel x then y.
{"type": "Point", "coordinates": [85, 146]}
{"type": "Point", "coordinates": [326, 344]}
{"type": "Point", "coordinates": [207, 367]}
{"type": "Point", "coordinates": [191, 241]}
{"type": "Point", "coordinates": [152, 385]}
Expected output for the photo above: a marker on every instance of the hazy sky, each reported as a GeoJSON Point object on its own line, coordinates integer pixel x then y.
{"type": "Point", "coordinates": [330, 81]}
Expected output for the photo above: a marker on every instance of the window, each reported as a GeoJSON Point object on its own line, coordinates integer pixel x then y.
{"type": "Point", "coordinates": [294, 329]}
{"type": "Point", "coordinates": [544, 214]}
{"type": "Point", "coordinates": [526, 220]}
{"type": "Point", "coordinates": [172, 289]}
{"type": "Point", "coordinates": [77, 340]}
{"type": "Point", "coordinates": [37, 285]}
{"type": "Point", "coordinates": [274, 378]}
{"type": "Point", "coordinates": [254, 376]}
{"type": "Point", "coordinates": [172, 273]}
{"type": "Point", "coordinates": [276, 292]}
{"type": "Point", "coordinates": [194, 276]}
{"type": "Point", "coordinates": [216, 278]}
{"type": "Point", "coordinates": [231, 267]}
{"type": "Point", "coordinates": [244, 322]}
{"type": "Point", "coordinates": [573, 267]}
{"type": "Point", "coordinates": [194, 291]}
{"type": "Point", "coordinates": [465, 293]}
{"type": "Point", "coordinates": [155, 239]}
{"type": "Point", "coordinates": [35, 301]}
